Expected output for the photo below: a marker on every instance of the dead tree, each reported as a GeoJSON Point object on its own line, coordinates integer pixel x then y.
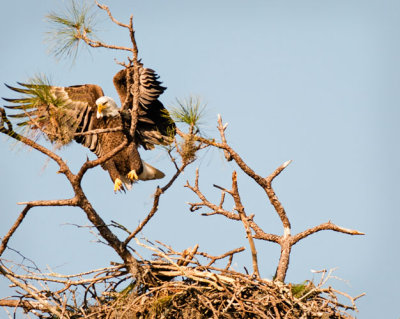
{"type": "Point", "coordinates": [145, 288]}
{"type": "Point", "coordinates": [79, 199]}
{"type": "Point", "coordinates": [252, 229]}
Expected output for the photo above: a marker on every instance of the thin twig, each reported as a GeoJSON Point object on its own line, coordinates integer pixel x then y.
{"type": "Point", "coordinates": [221, 129]}
{"type": "Point", "coordinates": [215, 258]}
{"type": "Point", "coordinates": [9, 131]}
{"type": "Point", "coordinates": [56, 202]}
{"type": "Point", "coordinates": [91, 164]}
{"type": "Point", "coordinates": [325, 226]}
{"type": "Point", "coordinates": [148, 217]}
{"type": "Point", "coordinates": [107, 9]}
{"type": "Point", "coordinates": [159, 191]}
{"type": "Point", "coordinates": [240, 209]}
{"type": "Point", "coordinates": [99, 131]}
{"type": "Point", "coordinates": [14, 227]}
{"type": "Point", "coordinates": [274, 199]}
{"type": "Point", "coordinates": [80, 198]}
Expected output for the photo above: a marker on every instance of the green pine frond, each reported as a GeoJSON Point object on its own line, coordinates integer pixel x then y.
{"type": "Point", "coordinates": [38, 92]}
{"type": "Point", "coordinates": [302, 289]}
{"type": "Point", "coordinates": [190, 111]}
{"type": "Point", "coordinates": [33, 93]}
{"type": "Point", "coordinates": [68, 27]}
{"type": "Point", "coordinates": [42, 112]}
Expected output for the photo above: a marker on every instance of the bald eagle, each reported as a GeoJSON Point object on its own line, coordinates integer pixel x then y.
{"type": "Point", "coordinates": [65, 114]}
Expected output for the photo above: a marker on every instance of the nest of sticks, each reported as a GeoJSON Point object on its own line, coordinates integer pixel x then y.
{"type": "Point", "coordinates": [179, 287]}
{"type": "Point", "coordinates": [176, 285]}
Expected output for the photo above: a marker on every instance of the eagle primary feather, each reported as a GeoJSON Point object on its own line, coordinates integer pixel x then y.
{"type": "Point", "coordinates": [64, 113]}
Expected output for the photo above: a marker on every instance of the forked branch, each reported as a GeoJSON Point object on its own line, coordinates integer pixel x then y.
{"type": "Point", "coordinates": [157, 194]}
{"type": "Point", "coordinates": [14, 227]}
{"type": "Point", "coordinates": [243, 217]}
{"type": "Point", "coordinates": [132, 86]}
{"type": "Point", "coordinates": [225, 282]}
{"type": "Point", "coordinates": [107, 9]}
{"type": "Point", "coordinates": [286, 240]}
{"type": "Point", "coordinates": [325, 226]}
{"type": "Point", "coordinates": [79, 199]}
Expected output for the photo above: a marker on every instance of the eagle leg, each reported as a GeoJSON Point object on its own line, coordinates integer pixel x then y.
{"type": "Point", "coordinates": [132, 175]}
{"type": "Point", "coordinates": [118, 185]}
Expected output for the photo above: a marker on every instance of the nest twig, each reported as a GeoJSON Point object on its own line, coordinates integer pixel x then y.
{"type": "Point", "coordinates": [177, 285]}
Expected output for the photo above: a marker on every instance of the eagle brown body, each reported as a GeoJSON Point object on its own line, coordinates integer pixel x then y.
{"type": "Point", "coordinates": [127, 160]}
{"type": "Point", "coordinates": [64, 114]}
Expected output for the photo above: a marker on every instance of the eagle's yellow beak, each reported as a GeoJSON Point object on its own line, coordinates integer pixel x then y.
{"type": "Point", "coordinates": [100, 108]}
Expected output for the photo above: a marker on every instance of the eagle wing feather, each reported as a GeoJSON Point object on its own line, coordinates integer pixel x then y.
{"type": "Point", "coordinates": [64, 114]}
{"type": "Point", "coordinates": [155, 125]}
{"type": "Point", "coordinates": [59, 112]}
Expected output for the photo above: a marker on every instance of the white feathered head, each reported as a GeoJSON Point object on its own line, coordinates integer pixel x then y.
{"type": "Point", "coordinates": [106, 106]}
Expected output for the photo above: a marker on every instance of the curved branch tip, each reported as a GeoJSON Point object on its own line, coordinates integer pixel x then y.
{"type": "Point", "coordinates": [286, 164]}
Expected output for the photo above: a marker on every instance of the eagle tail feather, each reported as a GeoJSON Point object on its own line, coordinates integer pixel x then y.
{"type": "Point", "coordinates": [149, 172]}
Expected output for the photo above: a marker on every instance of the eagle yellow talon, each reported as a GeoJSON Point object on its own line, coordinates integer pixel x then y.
{"type": "Point", "coordinates": [132, 175]}
{"type": "Point", "coordinates": [117, 185]}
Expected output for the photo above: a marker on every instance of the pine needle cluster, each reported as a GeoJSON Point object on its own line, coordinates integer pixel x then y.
{"type": "Point", "coordinates": [68, 27]}
{"type": "Point", "coordinates": [37, 104]}
{"type": "Point", "coordinates": [189, 111]}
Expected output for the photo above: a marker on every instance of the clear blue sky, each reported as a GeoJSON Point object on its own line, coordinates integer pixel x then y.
{"type": "Point", "coordinates": [312, 81]}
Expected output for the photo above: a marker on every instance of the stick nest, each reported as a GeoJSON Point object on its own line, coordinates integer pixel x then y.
{"type": "Point", "coordinates": [202, 293]}
{"type": "Point", "coordinates": [176, 285]}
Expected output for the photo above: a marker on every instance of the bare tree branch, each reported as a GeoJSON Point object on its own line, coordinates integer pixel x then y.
{"type": "Point", "coordinates": [14, 227]}
{"type": "Point", "coordinates": [9, 131]}
{"type": "Point", "coordinates": [240, 209]}
{"type": "Point", "coordinates": [136, 79]}
{"type": "Point", "coordinates": [148, 217]}
{"type": "Point", "coordinates": [219, 210]}
{"type": "Point", "coordinates": [57, 202]}
{"type": "Point", "coordinates": [205, 203]}
{"type": "Point", "coordinates": [91, 164]}
{"type": "Point", "coordinates": [221, 129]}
{"type": "Point", "coordinates": [41, 299]}
{"type": "Point", "coordinates": [80, 199]}
{"type": "Point", "coordinates": [98, 44]}
{"type": "Point", "coordinates": [324, 226]}
{"type": "Point", "coordinates": [157, 195]}
{"type": "Point", "coordinates": [286, 241]}
{"type": "Point", "coordinates": [230, 291]}
{"type": "Point", "coordinates": [274, 199]}
{"type": "Point", "coordinates": [25, 304]}
{"type": "Point", "coordinates": [215, 258]}
{"type": "Point", "coordinates": [99, 131]}
{"type": "Point", "coordinates": [107, 9]}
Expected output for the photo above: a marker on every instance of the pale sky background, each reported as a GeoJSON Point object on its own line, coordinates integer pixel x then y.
{"type": "Point", "coordinates": [313, 81]}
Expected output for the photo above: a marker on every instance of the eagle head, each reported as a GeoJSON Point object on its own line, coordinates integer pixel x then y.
{"type": "Point", "coordinates": [106, 106]}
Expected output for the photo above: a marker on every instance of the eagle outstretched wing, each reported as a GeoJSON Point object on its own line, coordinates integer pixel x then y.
{"type": "Point", "coordinates": [65, 114]}
{"type": "Point", "coordinates": [155, 125]}
{"type": "Point", "coordinates": [62, 113]}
